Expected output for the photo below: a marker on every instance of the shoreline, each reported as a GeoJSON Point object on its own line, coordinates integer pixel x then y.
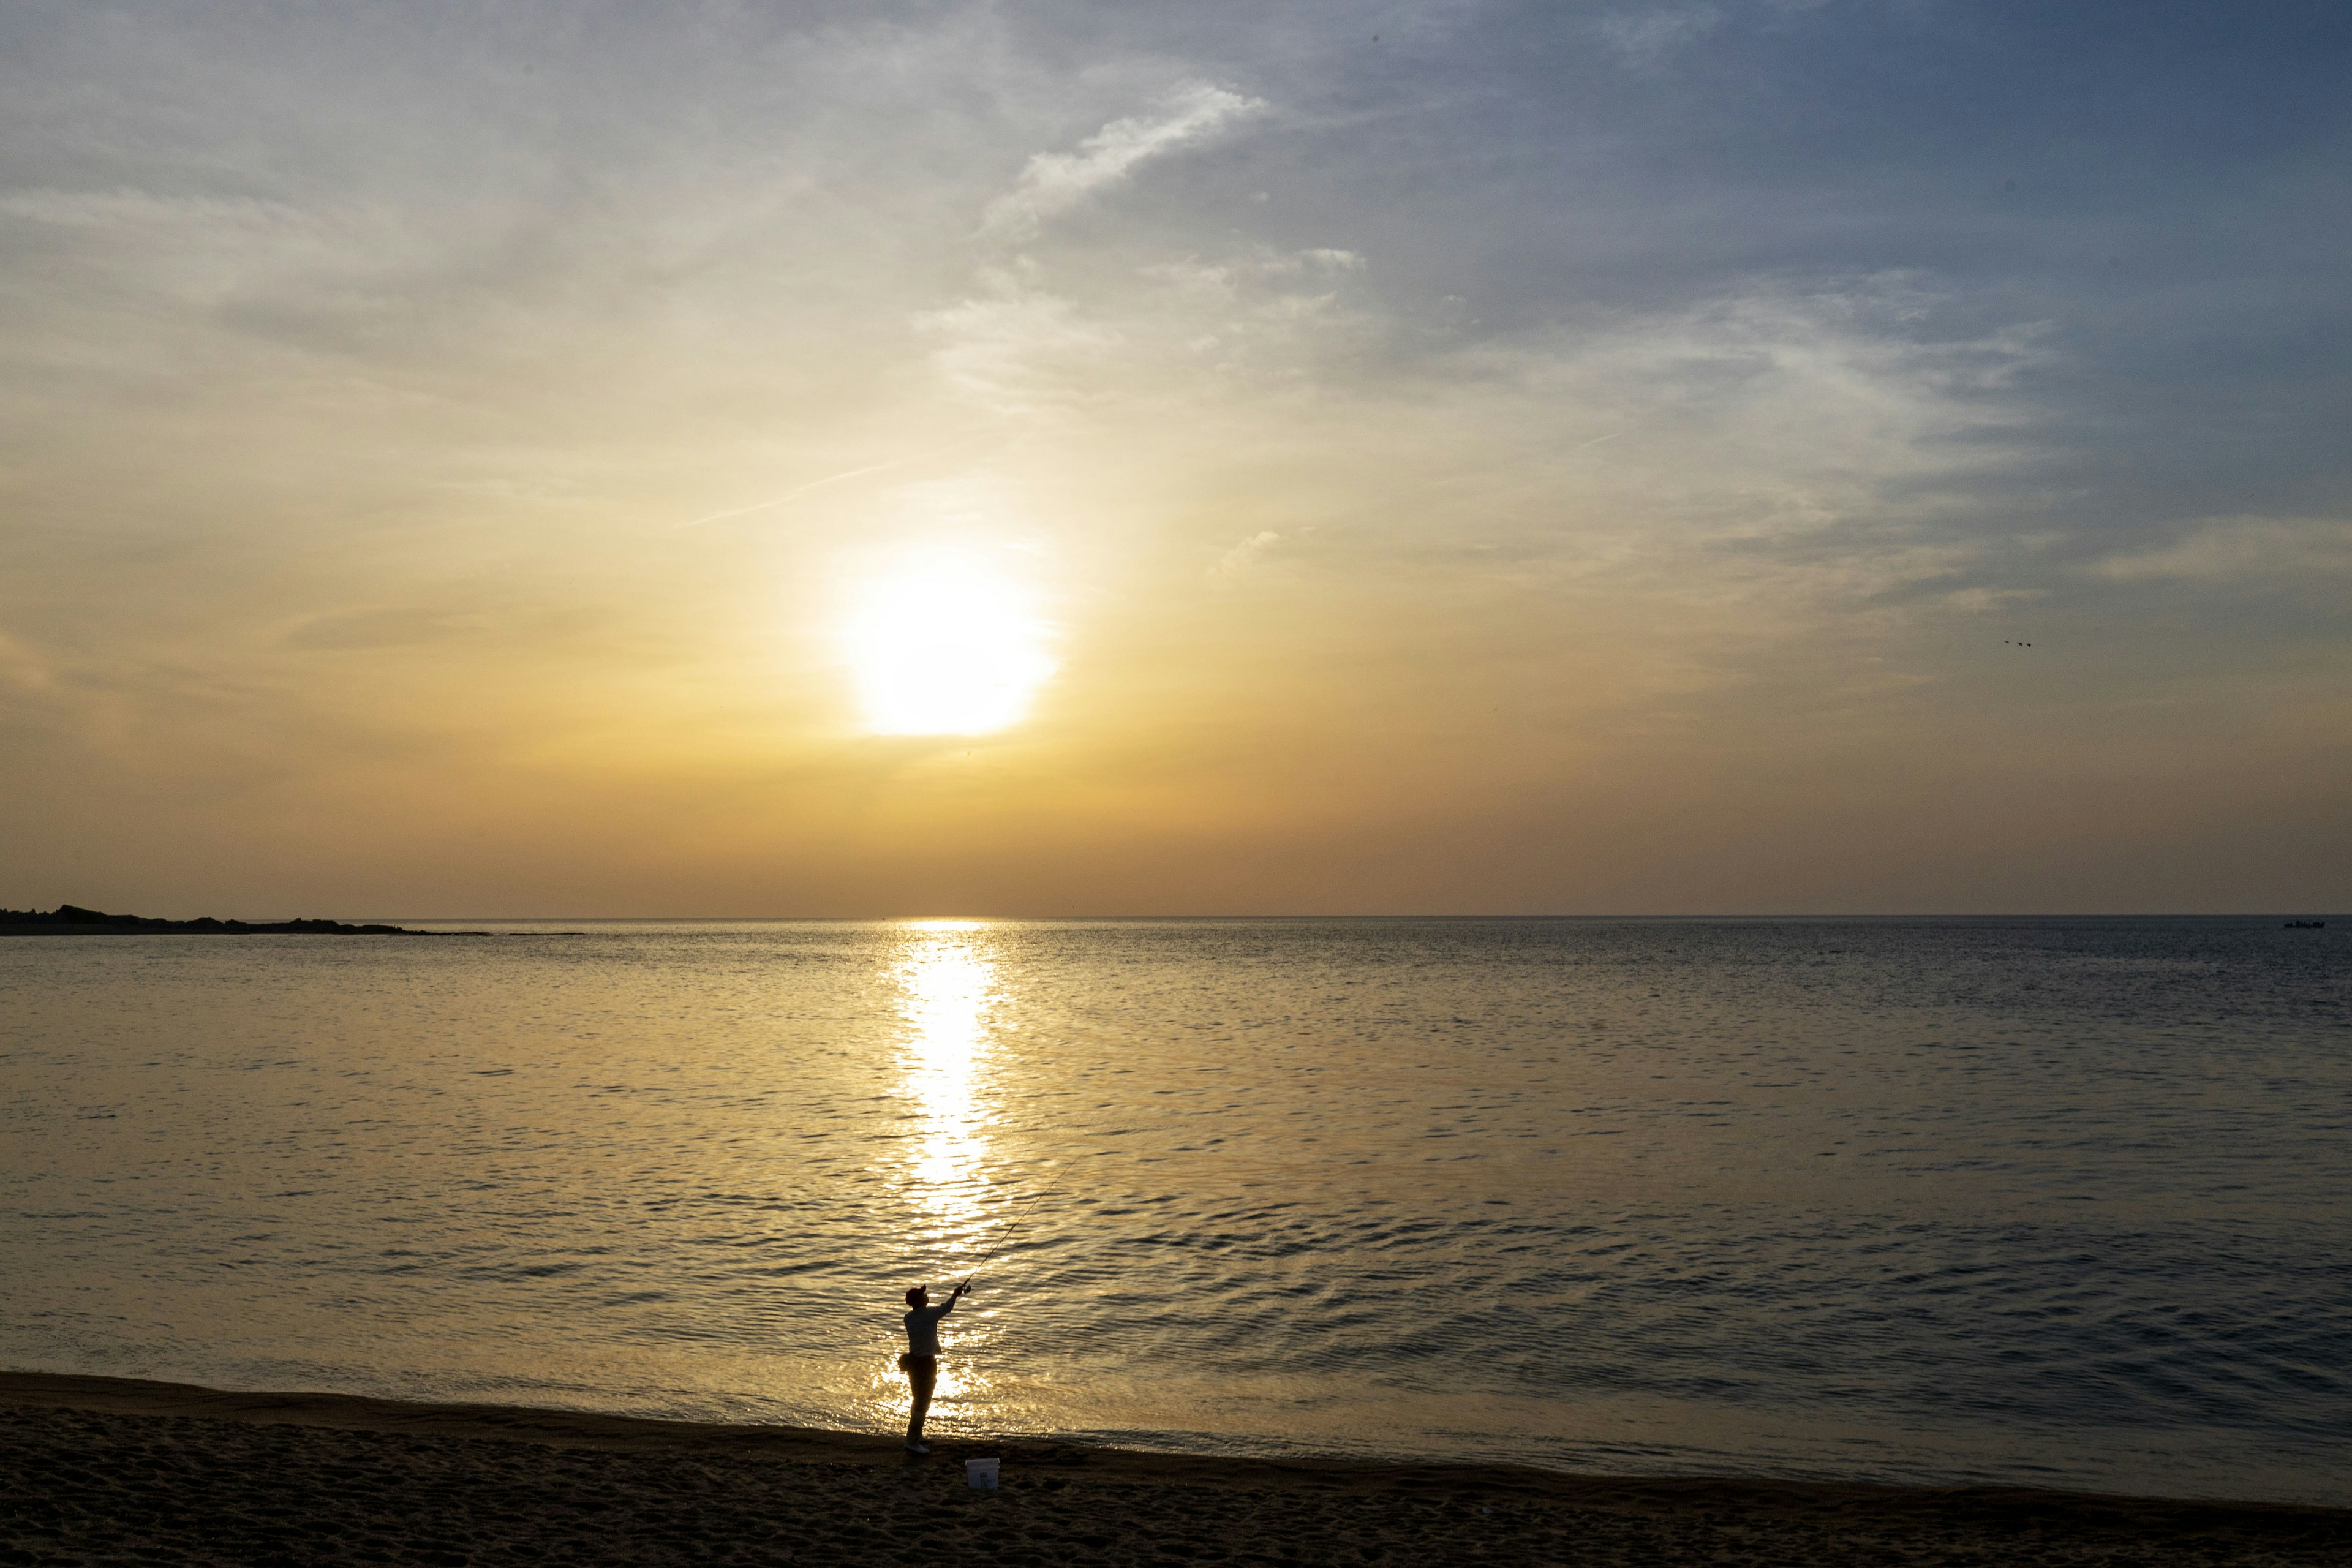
{"type": "Point", "coordinates": [183, 1457]}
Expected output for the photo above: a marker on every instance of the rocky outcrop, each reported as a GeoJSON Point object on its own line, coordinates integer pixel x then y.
{"type": "Point", "coordinates": [72, 920]}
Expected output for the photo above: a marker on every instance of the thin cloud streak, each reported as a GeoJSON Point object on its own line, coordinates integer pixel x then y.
{"type": "Point", "coordinates": [1056, 183]}
{"type": "Point", "coordinates": [830, 480]}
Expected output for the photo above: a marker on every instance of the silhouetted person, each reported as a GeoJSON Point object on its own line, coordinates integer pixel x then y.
{"type": "Point", "coordinates": [921, 1362]}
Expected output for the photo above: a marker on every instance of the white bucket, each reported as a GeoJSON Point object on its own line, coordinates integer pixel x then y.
{"type": "Point", "coordinates": [979, 1475]}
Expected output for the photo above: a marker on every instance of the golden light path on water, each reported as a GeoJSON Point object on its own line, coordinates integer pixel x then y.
{"type": "Point", "coordinates": [948, 988]}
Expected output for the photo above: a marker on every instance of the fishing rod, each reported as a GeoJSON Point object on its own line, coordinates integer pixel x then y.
{"type": "Point", "coordinates": [1026, 1209]}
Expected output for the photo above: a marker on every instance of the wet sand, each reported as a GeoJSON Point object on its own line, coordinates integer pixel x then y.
{"type": "Point", "coordinates": [104, 1470]}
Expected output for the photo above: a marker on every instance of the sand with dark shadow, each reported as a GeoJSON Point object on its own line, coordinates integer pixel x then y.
{"type": "Point", "coordinates": [97, 1470]}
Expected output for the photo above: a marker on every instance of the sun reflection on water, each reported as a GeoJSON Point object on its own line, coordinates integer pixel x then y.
{"type": "Point", "coordinates": [949, 991]}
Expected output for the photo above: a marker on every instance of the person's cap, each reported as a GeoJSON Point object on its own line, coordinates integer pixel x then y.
{"type": "Point", "coordinates": [914, 1297]}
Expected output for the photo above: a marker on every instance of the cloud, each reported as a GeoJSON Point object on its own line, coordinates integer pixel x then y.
{"type": "Point", "coordinates": [1019, 346]}
{"type": "Point", "coordinates": [1765, 415]}
{"type": "Point", "coordinates": [356, 630]}
{"type": "Point", "coordinates": [1015, 346]}
{"type": "Point", "coordinates": [2241, 549]}
{"type": "Point", "coordinates": [1643, 37]}
{"type": "Point", "coordinates": [1224, 279]}
{"type": "Point", "coordinates": [1235, 563]}
{"type": "Point", "coordinates": [1054, 183]}
{"type": "Point", "coordinates": [121, 209]}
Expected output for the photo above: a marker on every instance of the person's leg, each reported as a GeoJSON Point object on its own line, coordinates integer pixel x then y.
{"type": "Point", "coordinates": [923, 1375]}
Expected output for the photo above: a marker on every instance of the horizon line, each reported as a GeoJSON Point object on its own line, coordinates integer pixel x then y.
{"type": "Point", "coordinates": [1394, 915]}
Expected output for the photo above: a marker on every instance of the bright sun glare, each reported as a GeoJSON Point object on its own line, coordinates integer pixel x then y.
{"type": "Point", "coordinates": [946, 646]}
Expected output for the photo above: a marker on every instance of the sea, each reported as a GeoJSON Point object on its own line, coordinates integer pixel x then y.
{"type": "Point", "coordinates": [2046, 1202]}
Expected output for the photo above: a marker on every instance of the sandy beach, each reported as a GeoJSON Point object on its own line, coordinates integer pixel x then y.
{"type": "Point", "coordinates": [97, 1470]}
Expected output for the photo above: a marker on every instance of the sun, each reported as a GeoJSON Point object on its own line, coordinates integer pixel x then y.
{"type": "Point", "coordinates": [945, 644]}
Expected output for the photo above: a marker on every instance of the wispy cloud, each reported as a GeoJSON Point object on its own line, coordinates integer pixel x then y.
{"type": "Point", "coordinates": [367, 630]}
{"type": "Point", "coordinates": [1643, 37]}
{"type": "Point", "coordinates": [1235, 563]}
{"type": "Point", "coordinates": [1015, 346]}
{"type": "Point", "coordinates": [1054, 183]}
{"type": "Point", "coordinates": [2243, 549]}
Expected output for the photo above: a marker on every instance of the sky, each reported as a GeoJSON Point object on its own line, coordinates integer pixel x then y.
{"type": "Point", "coordinates": [783, 460]}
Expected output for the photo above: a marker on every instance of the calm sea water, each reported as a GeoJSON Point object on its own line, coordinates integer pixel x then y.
{"type": "Point", "coordinates": [2050, 1202]}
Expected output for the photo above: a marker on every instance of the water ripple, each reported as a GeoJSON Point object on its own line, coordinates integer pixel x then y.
{"type": "Point", "coordinates": [2051, 1202]}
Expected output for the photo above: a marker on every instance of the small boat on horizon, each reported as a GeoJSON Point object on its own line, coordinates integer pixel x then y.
{"type": "Point", "coordinates": [2306, 925]}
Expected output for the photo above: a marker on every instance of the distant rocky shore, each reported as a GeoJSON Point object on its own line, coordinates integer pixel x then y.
{"type": "Point", "coordinates": [72, 920]}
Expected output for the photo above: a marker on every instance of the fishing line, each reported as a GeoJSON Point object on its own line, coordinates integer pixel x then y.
{"type": "Point", "coordinates": [1026, 1209]}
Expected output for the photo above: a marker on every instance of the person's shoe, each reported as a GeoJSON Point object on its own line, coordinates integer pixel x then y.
{"type": "Point", "coordinates": [915, 1447]}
